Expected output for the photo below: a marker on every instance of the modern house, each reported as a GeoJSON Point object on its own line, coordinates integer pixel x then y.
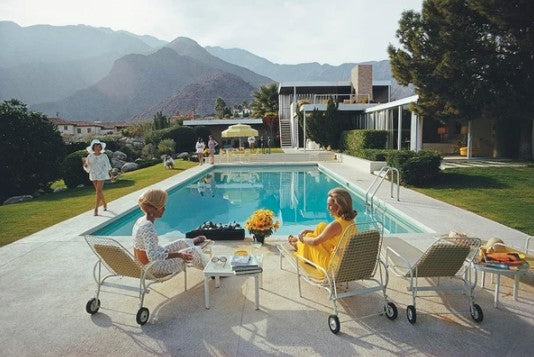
{"type": "Point", "coordinates": [70, 129]}
{"type": "Point", "coordinates": [369, 105]}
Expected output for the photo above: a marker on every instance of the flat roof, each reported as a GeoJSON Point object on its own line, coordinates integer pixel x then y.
{"type": "Point", "coordinates": [208, 122]}
{"type": "Point", "coordinates": [322, 87]}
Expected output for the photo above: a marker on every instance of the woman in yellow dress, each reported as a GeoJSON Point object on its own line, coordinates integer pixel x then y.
{"type": "Point", "coordinates": [319, 245]}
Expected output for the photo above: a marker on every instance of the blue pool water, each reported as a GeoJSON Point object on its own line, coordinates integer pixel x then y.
{"type": "Point", "coordinates": [296, 194]}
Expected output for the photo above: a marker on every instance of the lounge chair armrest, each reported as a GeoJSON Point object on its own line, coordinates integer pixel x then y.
{"type": "Point", "coordinates": [323, 270]}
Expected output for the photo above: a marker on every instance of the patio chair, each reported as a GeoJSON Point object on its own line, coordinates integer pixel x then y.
{"type": "Point", "coordinates": [446, 258]}
{"type": "Point", "coordinates": [120, 262]}
{"type": "Point", "coordinates": [356, 258]}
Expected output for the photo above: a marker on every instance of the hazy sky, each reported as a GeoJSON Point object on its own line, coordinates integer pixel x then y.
{"type": "Point", "coordinates": [283, 31]}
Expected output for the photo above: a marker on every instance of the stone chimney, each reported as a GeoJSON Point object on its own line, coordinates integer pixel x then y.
{"type": "Point", "coordinates": [361, 78]}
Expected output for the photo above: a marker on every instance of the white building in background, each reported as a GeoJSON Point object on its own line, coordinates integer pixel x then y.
{"type": "Point", "coordinates": [368, 104]}
{"type": "Point", "coordinates": [70, 129]}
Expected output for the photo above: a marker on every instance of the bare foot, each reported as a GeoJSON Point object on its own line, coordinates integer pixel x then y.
{"type": "Point", "coordinates": [105, 207]}
{"type": "Point", "coordinates": [96, 212]}
{"type": "Point", "coordinates": [293, 241]}
{"type": "Point", "coordinates": [199, 239]}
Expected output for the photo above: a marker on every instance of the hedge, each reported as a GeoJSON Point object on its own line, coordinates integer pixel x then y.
{"type": "Point", "coordinates": [356, 140]}
{"type": "Point", "coordinates": [418, 169]}
{"type": "Point", "coordinates": [184, 137]}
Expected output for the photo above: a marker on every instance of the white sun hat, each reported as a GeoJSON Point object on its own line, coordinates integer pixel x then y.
{"type": "Point", "coordinates": [93, 143]}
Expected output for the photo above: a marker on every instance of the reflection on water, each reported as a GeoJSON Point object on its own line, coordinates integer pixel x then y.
{"type": "Point", "coordinates": [297, 196]}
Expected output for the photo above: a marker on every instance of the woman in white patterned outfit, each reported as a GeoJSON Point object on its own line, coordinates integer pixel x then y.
{"type": "Point", "coordinates": [98, 166]}
{"type": "Point", "coordinates": [172, 256]}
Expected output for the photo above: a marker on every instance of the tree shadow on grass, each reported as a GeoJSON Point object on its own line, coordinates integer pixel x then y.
{"type": "Point", "coordinates": [461, 181]}
{"type": "Point", "coordinates": [85, 191]}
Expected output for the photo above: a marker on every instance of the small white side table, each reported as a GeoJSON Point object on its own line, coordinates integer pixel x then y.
{"type": "Point", "coordinates": [522, 269]}
{"type": "Point", "coordinates": [219, 269]}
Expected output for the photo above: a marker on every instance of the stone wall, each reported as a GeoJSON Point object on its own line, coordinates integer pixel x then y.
{"type": "Point", "coordinates": [362, 80]}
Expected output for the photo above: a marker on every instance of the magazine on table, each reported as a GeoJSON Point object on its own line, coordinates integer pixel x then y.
{"type": "Point", "coordinates": [244, 263]}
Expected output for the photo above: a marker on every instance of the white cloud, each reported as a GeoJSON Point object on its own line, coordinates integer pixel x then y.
{"type": "Point", "coordinates": [295, 31]}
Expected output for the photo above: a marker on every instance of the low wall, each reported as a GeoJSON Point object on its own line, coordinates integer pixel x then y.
{"type": "Point", "coordinates": [362, 164]}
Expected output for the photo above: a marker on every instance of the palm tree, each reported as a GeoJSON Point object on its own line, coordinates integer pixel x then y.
{"type": "Point", "coordinates": [265, 100]}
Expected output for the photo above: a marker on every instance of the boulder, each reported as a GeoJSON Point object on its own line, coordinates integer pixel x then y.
{"type": "Point", "coordinates": [17, 199]}
{"type": "Point", "coordinates": [138, 144]}
{"type": "Point", "coordinates": [119, 155]}
{"type": "Point", "coordinates": [183, 156]}
{"type": "Point", "coordinates": [60, 189]}
{"type": "Point", "coordinates": [129, 166]}
{"type": "Point", "coordinates": [116, 163]}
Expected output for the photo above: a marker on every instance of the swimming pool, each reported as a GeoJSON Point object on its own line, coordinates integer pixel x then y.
{"type": "Point", "coordinates": [296, 195]}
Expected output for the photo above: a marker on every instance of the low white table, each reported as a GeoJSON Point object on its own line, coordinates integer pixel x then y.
{"type": "Point", "coordinates": [522, 269]}
{"type": "Point", "coordinates": [219, 269]}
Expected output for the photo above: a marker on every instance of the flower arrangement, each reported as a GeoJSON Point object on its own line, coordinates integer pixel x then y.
{"type": "Point", "coordinates": [261, 224]}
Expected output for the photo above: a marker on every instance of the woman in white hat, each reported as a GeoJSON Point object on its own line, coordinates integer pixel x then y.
{"type": "Point", "coordinates": [98, 166]}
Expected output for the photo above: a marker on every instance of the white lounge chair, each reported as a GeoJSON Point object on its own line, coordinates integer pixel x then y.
{"type": "Point", "coordinates": [446, 258]}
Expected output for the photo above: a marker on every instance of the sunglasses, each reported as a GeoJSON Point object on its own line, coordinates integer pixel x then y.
{"type": "Point", "coordinates": [219, 259]}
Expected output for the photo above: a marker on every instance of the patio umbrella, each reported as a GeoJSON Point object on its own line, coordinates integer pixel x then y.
{"type": "Point", "coordinates": [239, 131]}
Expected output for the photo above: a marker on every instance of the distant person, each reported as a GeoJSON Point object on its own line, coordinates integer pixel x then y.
{"type": "Point", "coordinates": [251, 142]}
{"type": "Point", "coordinates": [171, 257]}
{"type": "Point", "coordinates": [211, 149]}
{"type": "Point", "coordinates": [97, 165]}
{"type": "Point", "coordinates": [262, 144]}
{"type": "Point", "coordinates": [199, 148]}
{"type": "Point", "coordinates": [168, 162]}
{"type": "Point", "coordinates": [269, 144]}
{"type": "Point", "coordinates": [319, 245]}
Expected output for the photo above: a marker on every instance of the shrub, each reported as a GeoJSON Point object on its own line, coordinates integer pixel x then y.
{"type": "Point", "coordinates": [155, 136]}
{"type": "Point", "coordinates": [202, 132]}
{"type": "Point", "coordinates": [73, 172]}
{"type": "Point", "coordinates": [129, 151]}
{"type": "Point", "coordinates": [31, 150]}
{"type": "Point", "coordinates": [148, 151]}
{"type": "Point", "coordinates": [183, 136]}
{"type": "Point", "coordinates": [418, 169]}
{"type": "Point", "coordinates": [372, 154]}
{"type": "Point", "coordinates": [356, 140]}
{"type": "Point", "coordinates": [166, 146]}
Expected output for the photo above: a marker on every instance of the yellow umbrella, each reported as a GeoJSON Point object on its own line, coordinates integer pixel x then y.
{"type": "Point", "coordinates": [239, 131]}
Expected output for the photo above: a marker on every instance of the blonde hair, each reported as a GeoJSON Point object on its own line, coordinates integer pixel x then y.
{"type": "Point", "coordinates": [344, 201]}
{"type": "Point", "coordinates": [152, 198]}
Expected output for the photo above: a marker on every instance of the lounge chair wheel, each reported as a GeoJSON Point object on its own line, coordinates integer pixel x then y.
{"type": "Point", "coordinates": [411, 314]}
{"type": "Point", "coordinates": [142, 316]}
{"type": "Point", "coordinates": [333, 323]}
{"type": "Point", "coordinates": [391, 311]}
{"type": "Point", "coordinates": [92, 306]}
{"type": "Point", "coordinates": [476, 313]}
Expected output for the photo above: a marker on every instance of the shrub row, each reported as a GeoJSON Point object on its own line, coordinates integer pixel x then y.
{"type": "Point", "coordinates": [416, 168]}
{"type": "Point", "coordinates": [357, 140]}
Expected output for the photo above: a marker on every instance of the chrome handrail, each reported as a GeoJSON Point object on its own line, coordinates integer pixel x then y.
{"type": "Point", "coordinates": [384, 171]}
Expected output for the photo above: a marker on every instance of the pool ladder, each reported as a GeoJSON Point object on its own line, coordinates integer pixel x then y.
{"type": "Point", "coordinates": [377, 182]}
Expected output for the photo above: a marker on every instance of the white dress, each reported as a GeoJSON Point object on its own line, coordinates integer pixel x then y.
{"type": "Point", "coordinates": [98, 167]}
{"type": "Point", "coordinates": [200, 147]}
{"type": "Point", "coordinates": [146, 238]}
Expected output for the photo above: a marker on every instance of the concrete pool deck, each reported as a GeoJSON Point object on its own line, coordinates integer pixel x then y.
{"type": "Point", "coordinates": [47, 279]}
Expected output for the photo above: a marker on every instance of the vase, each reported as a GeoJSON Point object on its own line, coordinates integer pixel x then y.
{"type": "Point", "coordinates": [259, 237]}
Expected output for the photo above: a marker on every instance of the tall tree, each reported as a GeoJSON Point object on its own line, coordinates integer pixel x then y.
{"type": "Point", "coordinates": [160, 121]}
{"type": "Point", "coordinates": [462, 62]}
{"type": "Point", "coordinates": [220, 106]}
{"type": "Point", "coordinates": [31, 150]}
{"type": "Point", "coordinates": [265, 100]}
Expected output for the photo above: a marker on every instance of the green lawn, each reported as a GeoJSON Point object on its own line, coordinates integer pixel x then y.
{"type": "Point", "coordinates": [21, 219]}
{"type": "Point", "coordinates": [503, 194]}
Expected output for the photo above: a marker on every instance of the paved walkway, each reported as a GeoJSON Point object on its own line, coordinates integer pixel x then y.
{"type": "Point", "coordinates": [450, 162]}
{"type": "Point", "coordinates": [46, 280]}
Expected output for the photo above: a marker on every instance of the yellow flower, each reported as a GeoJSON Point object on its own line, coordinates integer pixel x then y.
{"type": "Point", "coordinates": [261, 222]}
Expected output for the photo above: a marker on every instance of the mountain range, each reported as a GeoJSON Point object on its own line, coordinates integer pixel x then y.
{"type": "Point", "coordinates": [86, 73]}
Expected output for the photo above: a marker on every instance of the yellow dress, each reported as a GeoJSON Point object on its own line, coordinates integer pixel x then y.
{"type": "Point", "coordinates": [321, 253]}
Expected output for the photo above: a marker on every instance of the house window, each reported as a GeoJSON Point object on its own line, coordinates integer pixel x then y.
{"type": "Point", "coordinates": [65, 127]}
{"type": "Point", "coordinates": [88, 130]}
{"type": "Point", "coordinates": [79, 130]}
